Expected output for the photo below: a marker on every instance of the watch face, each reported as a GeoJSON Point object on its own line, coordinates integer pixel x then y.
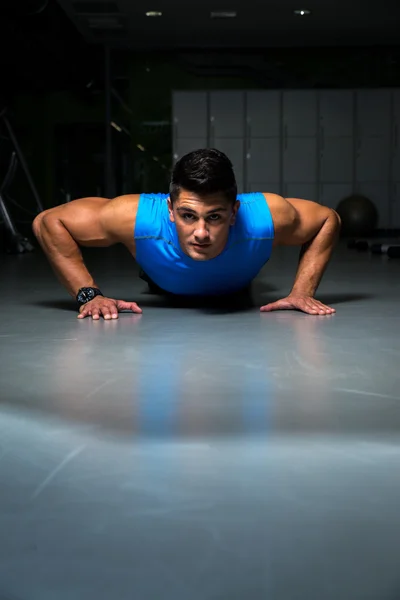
{"type": "Point", "coordinates": [85, 295]}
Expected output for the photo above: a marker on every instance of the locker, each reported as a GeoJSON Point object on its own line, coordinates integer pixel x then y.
{"type": "Point", "coordinates": [300, 160]}
{"type": "Point", "coordinates": [183, 146]}
{"type": "Point", "coordinates": [304, 191]}
{"type": "Point", "coordinates": [227, 118]}
{"type": "Point", "coordinates": [337, 159]}
{"type": "Point", "coordinates": [378, 192]}
{"type": "Point", "coordinates": [263, 160]}
{"type": "Point", "coordinates": [190, 116]}
{"type": "Point", "coordinates": [300, 113]}
{"type": "Point", "coordinates": [336, 109]}
{"type": "Point", "coordinates": [373, 113]}
{"type": "Point", "coordinates": [263, 114]}
{"type": "Point", "coordinates": [332, 193]}
{"type": "Point", "coordinates": [372, 159]}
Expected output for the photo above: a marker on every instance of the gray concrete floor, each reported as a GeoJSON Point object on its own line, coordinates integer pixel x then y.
{"type": "Point", "coordinates": [200, 452]}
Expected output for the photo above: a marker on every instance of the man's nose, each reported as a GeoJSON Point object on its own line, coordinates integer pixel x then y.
{"type": "Point", "coordinates": [201, 232]}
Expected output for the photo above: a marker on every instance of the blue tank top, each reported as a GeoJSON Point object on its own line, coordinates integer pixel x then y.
{"type": "Point", "coordinates": [158, 251]}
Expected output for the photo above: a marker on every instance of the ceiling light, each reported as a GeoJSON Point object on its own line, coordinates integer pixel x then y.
{"type": "Point", "coordinates": [302, 12]}
{"type": "Point", "coordinates": [223, 14]}
{"type": "Point", "coordinates": [154, 13]}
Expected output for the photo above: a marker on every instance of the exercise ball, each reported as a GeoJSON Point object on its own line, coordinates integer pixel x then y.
{"type": "Point", "coordinates": [358, 214]}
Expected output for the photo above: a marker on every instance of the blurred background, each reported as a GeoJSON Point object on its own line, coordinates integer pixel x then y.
{"type": "Point", "coordinates": [102, 97]}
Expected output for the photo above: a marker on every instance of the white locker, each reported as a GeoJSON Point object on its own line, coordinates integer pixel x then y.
{"type": "Point", "coordinates": [373, 113]}
{"type": "Point", "coordinates": [227, 118]}
{"type": "Point", "coordinates": [299, 113]}
{"type": "Point", "coordinates": [183, 146]}
{"type": "Point", "coordinates": [263, 114]}
{"type": "Point", "coordinates": [373, 159]}
{"type": "Point", "coordinates": [336, 110]}
{"type": "Point", "coordinates": [304, 191]}
{"type": "Point", "coordinates": [379, 193]}
{"type": "Point", "coordinates": [395, 207]}
{"type": "Point", "coordinates": [190, 115]}
{"type": "Point", "coordinates": [300, 160]}
{"type": "Point", "coordinates": [373, 128]}
{"type": "Point", "coordinates": [263, 160]}
{"type": "Point", "coordinates": [269, 187]}
{"type": "Point", "coordinates": [336, 159]}
{"type": "Point", "coordinates": [234, 149]}
{"type": "Point", "coordinates": [395, 159]}
{"type": "Point", "coordinates": [332, 193]}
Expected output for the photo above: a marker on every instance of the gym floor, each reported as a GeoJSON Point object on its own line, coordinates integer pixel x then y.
{"type": "Point", "coordinates": [200, 452]}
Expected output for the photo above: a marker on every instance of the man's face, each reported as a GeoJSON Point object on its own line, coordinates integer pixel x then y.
{"type": "Point", "coordinates": [202, 223]}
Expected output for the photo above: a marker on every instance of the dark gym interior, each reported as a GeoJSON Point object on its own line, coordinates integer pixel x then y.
{"type": "Point", "coordinates": [200, 450]}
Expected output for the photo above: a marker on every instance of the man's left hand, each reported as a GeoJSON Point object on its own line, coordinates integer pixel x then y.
{"type": "Point", "coordinates": [306, 304]}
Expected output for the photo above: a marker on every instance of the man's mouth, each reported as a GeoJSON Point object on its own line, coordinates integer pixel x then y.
{"type": "Point", "coordinates": [201, 245]}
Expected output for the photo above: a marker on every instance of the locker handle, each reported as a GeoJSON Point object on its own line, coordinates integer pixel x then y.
{"type": "Point", "coordinates": [248, 136]}
{"type": "Point", "coordinates": [395, 135]}
{"type": "Point", "coordinates": [322, 133]}
{"type": "Point", "coordinates": [285, 136]}
{"type": "Point", "coordinates": [212, 132]}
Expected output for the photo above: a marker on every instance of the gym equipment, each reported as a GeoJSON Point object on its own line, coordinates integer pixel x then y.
{"type": "Point", "coordinates": [358, 214]}
{"type": "Point", "coordinates": [16, 242]}
{"type": "Point", "coordinates": [359, 244]}
{"type": "Point", "coordinates": [391, 250]}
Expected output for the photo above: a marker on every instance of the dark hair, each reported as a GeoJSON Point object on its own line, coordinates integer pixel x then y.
{"type": "Point", "coordinates": [206, 171]}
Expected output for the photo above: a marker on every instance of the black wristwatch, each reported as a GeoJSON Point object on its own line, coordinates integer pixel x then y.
{"type": "Point", "coordinates": [86, 294]}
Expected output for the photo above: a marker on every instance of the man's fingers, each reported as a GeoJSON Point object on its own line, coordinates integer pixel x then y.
{"type": "Point", "coordinates": [323, 309]}
{"type": "Point", "coordinates": [269, 307]}
{"type": "Point", "coordinates": [122, 305]}
{"type": "Point", "coordinates": [107, 308]}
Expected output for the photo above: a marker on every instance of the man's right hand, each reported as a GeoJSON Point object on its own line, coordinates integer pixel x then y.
{"type": "Point", "coordinates": [108, 308]}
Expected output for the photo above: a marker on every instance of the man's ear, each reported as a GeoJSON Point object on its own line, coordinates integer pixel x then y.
{"type": "Point", "coordinates": [171, 211]}
{"type": "Point", "coordinates": [235, 209]}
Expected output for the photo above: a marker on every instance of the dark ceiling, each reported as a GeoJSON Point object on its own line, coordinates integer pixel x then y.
{"type": "Point", "coordinates": [259, 23]}
{"type": "Point", "coordinates": [52, 44]}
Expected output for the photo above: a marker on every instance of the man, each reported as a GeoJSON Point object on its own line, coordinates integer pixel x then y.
{"type": "Point", "coordinates": [201, 239]}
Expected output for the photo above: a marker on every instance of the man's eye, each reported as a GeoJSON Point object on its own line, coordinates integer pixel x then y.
{"type": "Point", "coordinates": [188, 217]}
{"type": "Point", "coordinates": [215, 217]}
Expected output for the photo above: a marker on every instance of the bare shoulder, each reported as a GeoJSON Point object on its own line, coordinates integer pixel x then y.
{"type": "Point", "coordinates": [297, 219]}
{"type": "Point", "coordinates": [283, 214]}
{"type": "Point", "coordinates": [118, 217]}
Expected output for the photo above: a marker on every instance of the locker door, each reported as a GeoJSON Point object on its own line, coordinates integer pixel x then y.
{"type": "Point", "coordinates": [300, 160]}
{"type": "Point", "coordinates": [263, 114]}
{"type": "Point", "coordinates": [266, 187]}
{"type": "Point", "coordinates": [300, 113]}
{"type": "Point", "coordinates": [395, 166]}
{"type": "Point", "coordinates": [305, 191]}
{"type": "Point", "coordinates": [234, 149]}
{"type": "Point", "coordinates": [378, 192]}
{"type": "Point", "coordinates": [332, 193]}
{"type": "Point", "coordinates": [183, 146]}
{"type": "Point", "coordinates": [227, 116]}
{"type": "Point", "coordinates": [336, 161]}
{"type": "Point", "coordinates": [336, 112]}
{"type": "Point", "coordinates": [190, 115]}
{"type": "Point", "coordinates": [372, 159]}
{"type": "Point", "coordinates": [263, 160]}
{"type": "Point", "coordinates": [395, 207]}
{"type": "Point", "coordinates": [373, 113]}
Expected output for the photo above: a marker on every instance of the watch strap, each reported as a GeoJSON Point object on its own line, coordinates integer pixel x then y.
{"type": "Point", "coordinates": [91, 293]}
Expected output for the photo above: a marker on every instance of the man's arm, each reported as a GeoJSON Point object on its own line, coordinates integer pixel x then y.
{"type": "Point", "coordinates": [96, 222]}
{"type": "Point", "coordinates": [316, 229]}
{"type": "Point", "coordinates": [61, 230]}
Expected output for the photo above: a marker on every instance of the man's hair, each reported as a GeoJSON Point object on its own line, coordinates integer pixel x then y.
{"type": "Point", "coordinates": [204, 172]}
